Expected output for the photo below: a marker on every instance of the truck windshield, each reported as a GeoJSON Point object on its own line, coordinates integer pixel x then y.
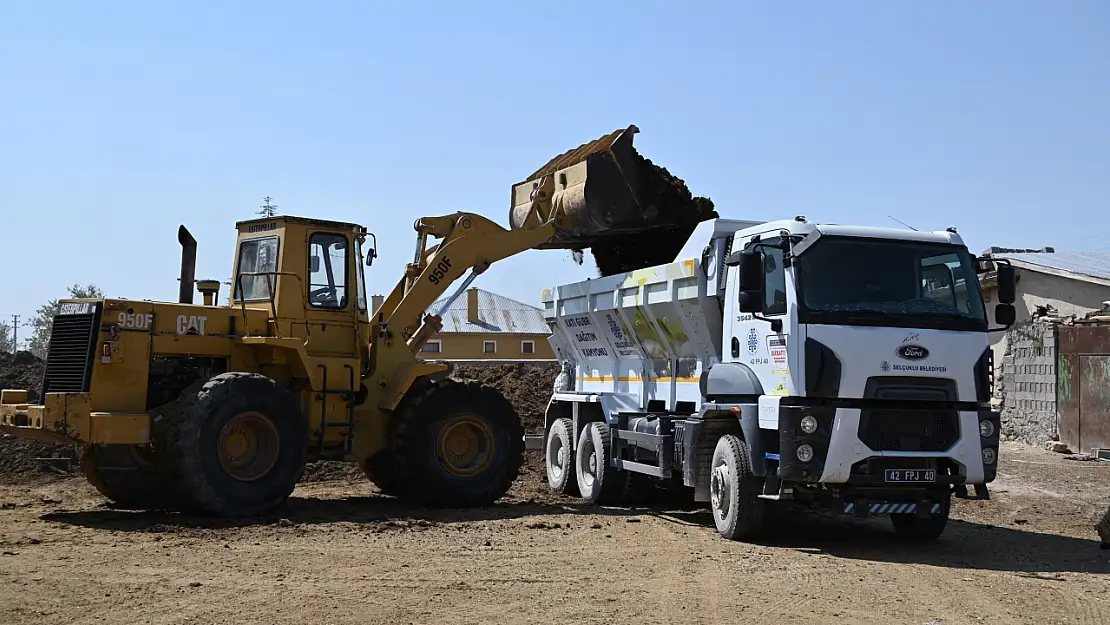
{"type": "Point", "coordinates": [856, 281]}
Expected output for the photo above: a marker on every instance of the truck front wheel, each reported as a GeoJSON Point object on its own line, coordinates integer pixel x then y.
{"type": "Point", "coordinates": [734, 490]}
{"type": "Point", "coordinates": [912, 528]}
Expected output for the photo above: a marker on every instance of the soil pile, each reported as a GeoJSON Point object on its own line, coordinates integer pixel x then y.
{"type": "Point", "coordinates": [18, 456]}
{"type": "Point", "coordinates": [21, 371]}
{"type": "Point", "coordinates": [676, 210]}
{"type": "Point", "coordinates": [526, 386]}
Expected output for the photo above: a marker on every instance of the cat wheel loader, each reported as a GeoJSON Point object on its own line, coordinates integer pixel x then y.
{"type": "Point", "coordinates": [216, 408]}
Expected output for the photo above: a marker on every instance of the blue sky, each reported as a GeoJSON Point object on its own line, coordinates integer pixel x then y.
{"type": "Point", "coordinates": [121, 120]}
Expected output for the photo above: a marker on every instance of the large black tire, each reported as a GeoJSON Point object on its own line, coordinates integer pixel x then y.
{"type": "Point", "coordinates": [130, 476]}
{"type": "Point", "coordinates": [456, 445]}
{"type": "Point", "coordinates": [598, 481]}
{"type": "Point", "coordinates": [910, 528]}
{"type": "Point", "coordinates": [559, 458]}
{"type": "Point", "coordinates": [380, 470]}
{"type": "Point", "coordinates": [203, 429]}
{"type": "Point", "coordinates": [734, 490]}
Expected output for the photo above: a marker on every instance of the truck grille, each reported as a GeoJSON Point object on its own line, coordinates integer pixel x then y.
{"type": "Point", "coordinates": [69, 356]}
{"type": "Point", "coordinates": [909, 430]}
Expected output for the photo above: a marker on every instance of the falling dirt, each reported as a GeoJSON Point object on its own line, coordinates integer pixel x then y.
{"type": "Point", "coordinates": [676, 210]}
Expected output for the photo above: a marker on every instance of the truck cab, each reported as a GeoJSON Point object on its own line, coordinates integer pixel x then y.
{"type": "Point", "coordinates": [846, 367]}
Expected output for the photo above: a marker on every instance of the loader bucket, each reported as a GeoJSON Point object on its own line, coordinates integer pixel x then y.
{"type": "Point", "coordinates": [603, 191]}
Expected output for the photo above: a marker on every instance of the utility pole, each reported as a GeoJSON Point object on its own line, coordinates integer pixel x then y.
{"type": "Point", "coordinates": [15, 334]}
{"type": "Point", "coordinates": [269, 209]}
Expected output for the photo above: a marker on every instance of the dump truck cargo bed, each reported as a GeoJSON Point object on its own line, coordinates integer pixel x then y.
{"type": "Point", "coordinates": [649, 333]}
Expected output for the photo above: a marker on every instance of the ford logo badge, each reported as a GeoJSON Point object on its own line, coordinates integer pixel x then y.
{"type": "Point", "coordinates": [912, 352]}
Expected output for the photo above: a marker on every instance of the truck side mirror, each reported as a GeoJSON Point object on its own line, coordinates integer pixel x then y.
{"type": "Point", "coordinates": [751, 270]}
{"type": "Point", "coordinates": [752, 281]}
{"type": "Point", "coordinates": [1005, 315]}
{"type": "Point", "coordinates": [1007, 283]}
{"type": "Point", "coordinates": [314, 264]}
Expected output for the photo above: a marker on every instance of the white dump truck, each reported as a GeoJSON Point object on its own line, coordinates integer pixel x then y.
{"type": "Point", "coordinates": [838, 366]}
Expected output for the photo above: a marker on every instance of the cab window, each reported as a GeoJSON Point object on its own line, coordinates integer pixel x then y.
{"type": "Point", "coordinates": [256, 256]}
{"type": "Point", "coordinates": [327, 270]}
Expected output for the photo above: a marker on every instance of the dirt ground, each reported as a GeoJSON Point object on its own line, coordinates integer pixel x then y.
{"type": "Point", "coordinates": [340, 553]}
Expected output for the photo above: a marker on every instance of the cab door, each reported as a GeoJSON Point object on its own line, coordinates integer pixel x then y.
{"type": "Point", "coordinates": [331, 305]}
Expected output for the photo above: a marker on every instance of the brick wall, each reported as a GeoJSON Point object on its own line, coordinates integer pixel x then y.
{"type": "Point", "coordinates": [1027, 383]}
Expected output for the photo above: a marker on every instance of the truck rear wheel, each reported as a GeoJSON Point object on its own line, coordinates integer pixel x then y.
{"type": "Point", "coordinates": [598, 481]}
{"type": "Point", "coordinates": [559, 458]}
{"type": "Point", "coordinates": [457, 444]}
{"type": "Point", "coordinates": [911, 528]}
{"type": "Point", "coordinates": [734, 491]}
{"type": "Point", "coordinates": [236, 446]}
{"type": "Point", "coordinates": [129, 475]}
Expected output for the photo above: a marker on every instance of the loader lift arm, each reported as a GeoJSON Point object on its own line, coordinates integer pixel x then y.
{"type": "Point", "coordinates": [467, 242]}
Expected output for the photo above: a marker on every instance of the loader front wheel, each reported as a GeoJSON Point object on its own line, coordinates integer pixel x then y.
{"type": "Point", "coordinates": [236, 446]}
{"type": "Point", "coordinates": [379, 470]}
{"type": "Point", "coordinates": [457, 445]}
{"type": "Point", "coordinates": [129, 475]}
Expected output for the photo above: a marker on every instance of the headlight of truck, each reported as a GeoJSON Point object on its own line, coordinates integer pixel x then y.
{"type": "Point", "coordinates": [989, 455]}
{"type": "Point", "coordinates": [804, 453]}
{"type": "Point", "coordinates": [809, 424]}
{"type": "Point", "coordinates": [986, 429]}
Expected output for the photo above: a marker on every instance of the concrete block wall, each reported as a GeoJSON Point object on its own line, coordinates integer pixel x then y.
{"type": "Point", "coordinates": [1027, 383]}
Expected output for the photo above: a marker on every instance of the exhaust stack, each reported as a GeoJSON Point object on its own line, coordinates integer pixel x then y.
{"type": "Point", "coordinates": [188, 265]}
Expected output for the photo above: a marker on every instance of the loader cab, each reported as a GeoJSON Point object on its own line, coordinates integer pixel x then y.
{"type": "Point", "coordinates": [310, 275]}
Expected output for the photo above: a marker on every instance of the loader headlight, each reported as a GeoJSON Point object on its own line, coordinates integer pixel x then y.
{"type": "Point", "coordinates": [989, 455]}
{"type": "Point", "coordinates": [804, 453]}
{"type": "Point", "coordinates": [809, 424]}
{"type": "Point", "coordinates": [986, 429]}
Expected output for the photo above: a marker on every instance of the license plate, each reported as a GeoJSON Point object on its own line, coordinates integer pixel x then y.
{"type": "Point", "coordinates": [911, 475]}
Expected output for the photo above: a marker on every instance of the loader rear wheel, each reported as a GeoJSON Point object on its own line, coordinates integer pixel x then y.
{"type": "Point", "coordinates": [457, 445]}
{"type": "Point", "coordinates": [129, 475]}
{"type": "Point", "coordinates": [379, 470]}
{"type": "Point", "coordinates": [598, 480]}
{"type": "Point", "coordinates": [236, 445]}
{"type": "Point", "coordinates": [559, 458]}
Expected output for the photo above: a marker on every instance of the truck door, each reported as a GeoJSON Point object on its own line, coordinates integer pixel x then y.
{"type": "Point", "coordinates": [751, 339]}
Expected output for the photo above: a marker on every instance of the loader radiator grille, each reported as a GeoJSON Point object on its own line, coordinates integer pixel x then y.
{"type": "Point", "coordinates": [69, 356]}
{"type": "Point", "coordinates": [909, 430]}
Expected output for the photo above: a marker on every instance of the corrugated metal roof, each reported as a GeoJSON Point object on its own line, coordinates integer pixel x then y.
{"type": "Point", "coordinates": [496, 313]}
{"type": "Point", "coordinates": [1090, 264]}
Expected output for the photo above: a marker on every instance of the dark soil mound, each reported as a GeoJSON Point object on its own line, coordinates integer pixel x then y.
{"type": "Point", "coordinates": [526, 386]}
{"type": "Point", "coordinates": [18, 455]}
{"type": "Point", "coordinates": [21, 371]}
{"type": "Point", "coordinates": [676, 211]}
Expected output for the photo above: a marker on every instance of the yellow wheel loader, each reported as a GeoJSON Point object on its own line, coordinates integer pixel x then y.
{"type": "Point", "coordinates": [216, 408]}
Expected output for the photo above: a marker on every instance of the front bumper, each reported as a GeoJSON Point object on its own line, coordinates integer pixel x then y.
{"type": "Point", "coordinates": [67, 418]}
{"type": "Point", "coordinates": [840, 457]}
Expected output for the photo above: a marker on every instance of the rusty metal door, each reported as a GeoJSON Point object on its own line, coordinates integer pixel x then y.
{"type": "Point", "coordinates": [1083, 386]}
{"type": "Point", "coordinates": [1094, 402]}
